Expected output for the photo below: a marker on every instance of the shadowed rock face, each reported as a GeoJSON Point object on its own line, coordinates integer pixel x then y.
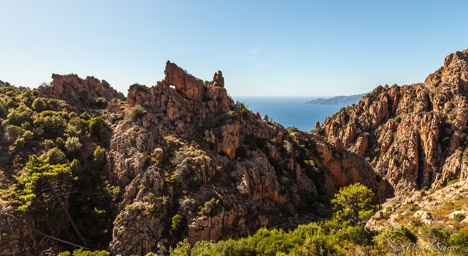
{"type": "Point", "coordinates": [414, 135]}
{"type": "Point", "coordinates": [226, 171]}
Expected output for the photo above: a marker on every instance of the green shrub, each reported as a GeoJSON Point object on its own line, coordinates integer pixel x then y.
{"type": "Point", "coordinates": [233, 115]}
{"type": "Point", "coordinates": [81, 252]}
{"type": "Point", "coordinates": [356, 234]}
{"type": "Point", "coordinates": [39, 105]}
{"type": "Point", "coordinates": [75, 167]}
{"type": "Point", "coordinates": [28, 136]}
{"type": "Point", "coordinates": [56, 156]}
{"type": "Point", "coordinates": [99, 158]}
{"type": "Point", "coordinates": [53, 126]}
{"type": "Point", "coordinates": [209, 207]}
{"type": "Point", "coordinates": [85, 116]}
{"type": "Point", "coordinates": [100, 102]}
{"type": "Point", "coordinates": [19, 144]}
{"type": "Point", "coordinates": [431, 233]}
{"type": "Point", "coordinates": [459, 217]}
{"type": "Point", "coordinates": [13, 132]}
{"type": "Point", "coordinates": [72, 145]}
{"type": "Point", "coordinates": [137, 112]}
{"type": "Point", "coordinates": [353, 203]}
{"type": "Point", "coordinates": [176, 222]}
{"type": "Point", "coordinates": [42, 183]}
{"type": "Point", "coordinates": [397, 235]}
{"type": "Point", "coordinates": [388, 209]}
{"type": "Point", "coordinates": [292, 129]}
{"type": "Point", "coordinates": [98, 127]}
{"type": "Point", "coordinates": [460, 240]}
{"type": "Point", "coordinates": [182, 249]}
{"type": "Point", "coordinates": [3, 109]}
{"type": "Point", "coordinates": [60, 143]}
{"type": "Point", "coordinates": [242, 107]}
{"type": "Point", "coordinates": [452, 182]}
{"type": "Point", "coordinates": [20, 115]}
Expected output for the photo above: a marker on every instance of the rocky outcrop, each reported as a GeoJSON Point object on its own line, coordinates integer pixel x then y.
{"type": "Point", "coordinates": [222, 169]}
{"type": "Point", "coordinates": [79, 92]}
{"type": "Point", "coordinates": [434, 207]}
{"type": "Point", "coordinates": [416, 135]}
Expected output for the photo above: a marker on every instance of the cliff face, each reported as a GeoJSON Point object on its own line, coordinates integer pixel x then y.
{"type": "Point", "coordinates": [416, 135]}
{"type": "Point", "coordinates": [222, 169]}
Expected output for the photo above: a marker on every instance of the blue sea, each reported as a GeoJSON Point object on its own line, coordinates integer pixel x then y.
{"type": "Point", "coordinates": [290, 111]}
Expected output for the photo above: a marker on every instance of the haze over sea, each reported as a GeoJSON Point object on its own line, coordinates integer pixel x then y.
{"type": "Point", "coordinates": [290, 111]}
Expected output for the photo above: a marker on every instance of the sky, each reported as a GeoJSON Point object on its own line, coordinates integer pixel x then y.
{"type": "Point", "coordinates": [264, 48]}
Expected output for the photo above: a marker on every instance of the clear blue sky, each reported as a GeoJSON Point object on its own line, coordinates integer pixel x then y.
{"type": "Point", "coordinates": [271, 48]}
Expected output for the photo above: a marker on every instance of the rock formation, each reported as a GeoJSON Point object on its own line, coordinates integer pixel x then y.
{"type": "Point", "coordinates": [78, 92]}
{"type": "Point", "coordinates": [222, 168]}
{"type": "Point", "coordinates": [414, 135]}
{"type": "Point", "coordinates": [183, 160]}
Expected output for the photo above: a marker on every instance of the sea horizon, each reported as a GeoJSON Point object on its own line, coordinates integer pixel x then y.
{"type": "Point", "coordinates": [290, 111]}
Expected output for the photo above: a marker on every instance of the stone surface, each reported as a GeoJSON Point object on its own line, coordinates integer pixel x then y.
{"type": "Point", "coordinates": [79, 92]}
{"type": "Point", "coordinates": [222, 168]}
{"type": "Point", "coordinates": [414, 135]}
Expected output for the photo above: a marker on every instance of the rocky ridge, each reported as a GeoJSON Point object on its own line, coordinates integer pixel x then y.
{"type": "Point", "coordinates": [414, 135]}
{"type": "Point", "coordinates": [78, 92]}
{"type": "Point", "coordinates": [223, 169]}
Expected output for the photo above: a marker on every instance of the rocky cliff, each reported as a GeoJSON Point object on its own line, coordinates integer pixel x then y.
{"type": "Point", "coordinates": [221, 168]}
{"type": "Point", "coordinates": [414, 135]}
{"type": "Point", "coordinates": [179, 159]}
{"type": "Point", "coordinates": [78, 92]}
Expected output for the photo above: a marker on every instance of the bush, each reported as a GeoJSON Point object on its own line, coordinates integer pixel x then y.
{"type": "Point", "coordinates": [44, 185]}
{"type": "Point", "coordinates": [397, 235]}
{"type": "Point", "coordinates": [56, 156]}
{"type": "Point", "coordinates": [242, 107]}
{"type": "Point", "coordinates": [356, 234]}
{"type": "Point", "coordinates": [459, 217]}
{"type": "Point", "coordinates": [28, 136]}
{"type": "Point", "coordinates": [98, 127]}
{"type": "Point", "coordinates": [81, 252]}
{"type": "Point", "coordinates": [99, 158]}
{"type": "Point", "coordinates": [176, 222]}
{"type": "Point", "coordinates": [53, 125]}
{"type": "Point", "coordinates": [19, 144]}
{"type": "Point", "coordinates": [438, 233]}
{"type": "Point", "coordinates": [13, 132]}
{"type": "Point", "coordinates": [100, 102]}
{"type": "Point", "coordinates": [209, 207]}
{"type": "Point", "coordinates": [460, 240]}
{"type": "Point", "coordinates": [20, 115]}
{"type": "Point", "coordinates": [75, 167]}
{"type": "Point", "coordinates": [3, 109]}
{"type": "Point", "coordinates": [293, 129]}
{"type": "Point", "coordinates": [73, 145]}
{"type": "Point", "coordinates": [353, 203]}
{"type": "Point", "coordinates": [137, 112]}
{"type": "Point", "coordinates": [85, 116]}
{"type": "Point", "coordinates": [39, 105]}
{"type": "Point", "coordinates": [233, 114]}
